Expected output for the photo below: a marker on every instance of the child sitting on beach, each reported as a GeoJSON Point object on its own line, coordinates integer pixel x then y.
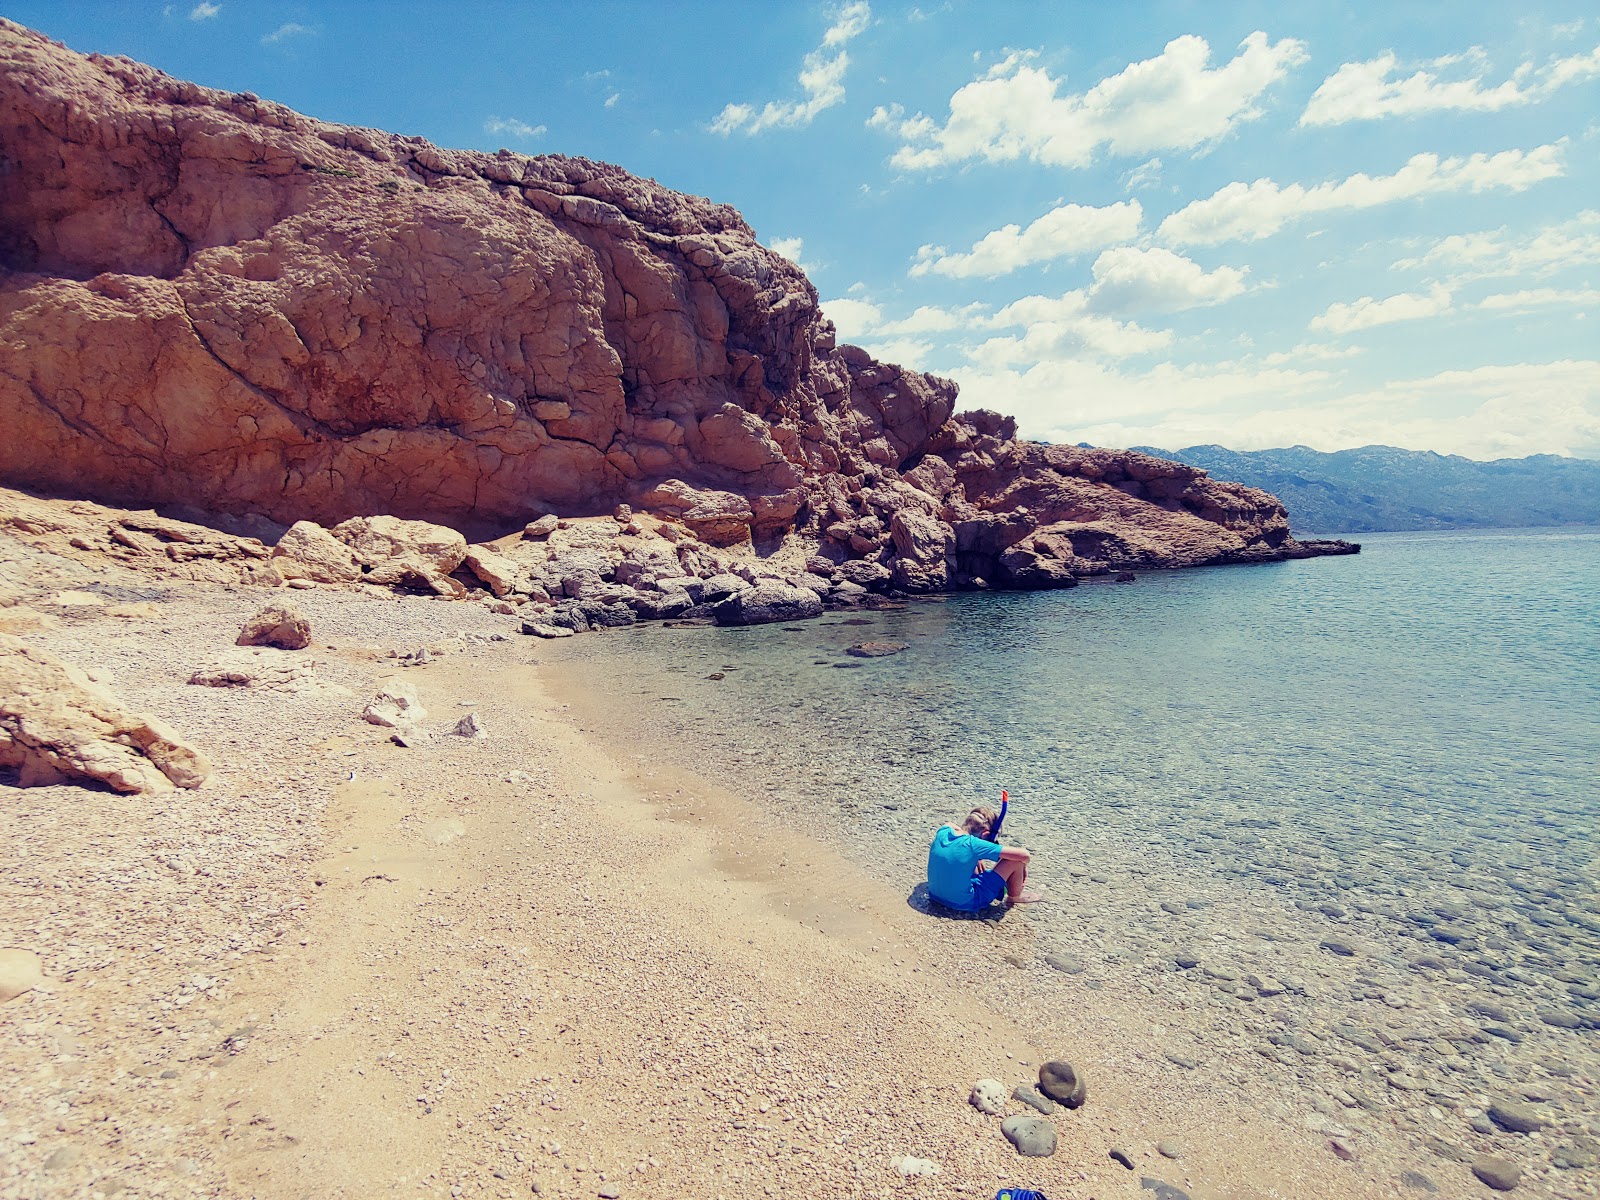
{"type": "Point", "coordinates": [968, 872]}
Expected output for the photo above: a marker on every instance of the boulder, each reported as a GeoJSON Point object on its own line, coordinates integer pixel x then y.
{"type": "Point", "coordinates": [308, 551]}
{"type": "Point", "coordinates": [714, 517]}
{"type": "Point", "coordinates": [542, 629]}
{"type": "Point", "coordinates": [1024, 568]}
{"type": "Point", "coordinates": [661, 606]}
{"type": "Point", "coordinates": [279, 624]}
{"type": "Point", "coordinates": [1033, 1137]}
{"type": "Point", "coordinates": [395, 706]}
{"type": "Point", "coordinates": [768, 603]}
{"type": "Point", "coordinates": [378, 539]}
{"type": "Point", "coordinates": [862, 573]}
{"type": "Point", "coordinates": [1061, 1082]}
{"type": "Point", "coordinates": [56, 725]}
{"type": "Point", "coordinates": [497, 572]}
{"type": "Point", "coordinates": [719, 587]}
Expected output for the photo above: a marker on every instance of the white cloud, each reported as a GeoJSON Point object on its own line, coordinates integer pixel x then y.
{"type": "Point", "coordinates": [1058, 325]}
{"type": "Point", "coordinates": [1250, 211]}
{"type": "Point", "coordinates": [1490, 412]}
{"type": "Point", "coordinates": [1497, 253]}
{"type": "Point", "coordinates": [1128, 279]}
{"type": "Point", "coordinates": [1367, 313]}
{"type": "Point", "coordinates": [516, 128]}
{"type": "Point", "coordinates": [853, 319]}
{"type": "Point", "coordinates": [1061, 232]}
{"type": "Point", "coordinates": [1540, 298]}
{"type": "Point", "coordinates": [1311, 352]}
{"type": "Point", "coordinates": [1173, 101]}
{"type": "Point", "coordinates": [792, 248]}
{"type": "Point", "coordinates": [284, 32]}
{"type": "Point", "coordinates": [611, 100]}
{"type": "Point", "coordinates": [204, 11]}
{"type": "Point", "coordinates": [903, 352]}
{"type": "Point", "coordinates": [1367, 91]}
{"type": "Point", "coordinates": [821, 79]}
{"type": "Point", "coordinates": [1146, 175]}
{"type": "Point", "coordinates": [1069, 399]}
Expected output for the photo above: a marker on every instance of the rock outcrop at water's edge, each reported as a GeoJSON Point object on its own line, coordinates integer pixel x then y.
{"type": "Point", "coordinates": [210, 301]}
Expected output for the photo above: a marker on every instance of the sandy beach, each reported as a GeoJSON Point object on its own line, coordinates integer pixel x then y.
{"type": "Point", "coordinates": [527, 963]}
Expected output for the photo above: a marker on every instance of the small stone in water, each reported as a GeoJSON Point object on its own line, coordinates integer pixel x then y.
{"type": "Point", "coordinates": [1497, 1172]}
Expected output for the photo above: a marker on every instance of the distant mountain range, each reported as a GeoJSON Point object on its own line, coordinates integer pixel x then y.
{"type": "Point", "coordinates": [1377, 488]}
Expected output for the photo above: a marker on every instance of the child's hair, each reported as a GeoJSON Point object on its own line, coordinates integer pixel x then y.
{"type": "Point", "coordinates": [981, 818]}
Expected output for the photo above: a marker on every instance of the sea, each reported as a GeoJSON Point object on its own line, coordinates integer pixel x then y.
{"type": "Point", "coordinates": [1350, 803]}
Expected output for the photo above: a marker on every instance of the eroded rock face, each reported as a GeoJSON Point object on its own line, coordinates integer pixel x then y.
{"type": "Point", "coordinates": [207, 299]}
{"type": "Point", "coordinates": [55, 725]}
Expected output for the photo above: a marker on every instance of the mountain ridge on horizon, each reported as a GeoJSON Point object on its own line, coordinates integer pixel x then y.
{"type": "Point", "coordinates": [1377, 488]}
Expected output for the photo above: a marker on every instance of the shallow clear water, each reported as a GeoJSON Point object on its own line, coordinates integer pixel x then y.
{"type": "Point", "coordinates": [1396, 752]}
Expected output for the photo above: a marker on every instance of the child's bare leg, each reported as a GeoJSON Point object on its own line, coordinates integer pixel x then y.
{"type": "Point", "coordinates": [1015, 873]}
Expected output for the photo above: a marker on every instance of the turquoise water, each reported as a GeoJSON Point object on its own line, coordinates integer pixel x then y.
{"type": "Point", "coordinates": [1394, 752]}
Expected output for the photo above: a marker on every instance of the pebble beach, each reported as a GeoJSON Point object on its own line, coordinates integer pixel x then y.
{"type": "Point", "coordinates": [527, 962]}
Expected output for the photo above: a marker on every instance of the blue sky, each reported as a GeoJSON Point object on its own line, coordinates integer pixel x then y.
{"type": "Point", "coordinates": [1160, 223]}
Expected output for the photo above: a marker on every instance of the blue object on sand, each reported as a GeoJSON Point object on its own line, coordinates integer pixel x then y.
{"type": "Point", "coordinates": [1011, 1193]}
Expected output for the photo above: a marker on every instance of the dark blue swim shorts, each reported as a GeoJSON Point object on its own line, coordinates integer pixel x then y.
{"type": "Point", "coordinates": [986, 889]}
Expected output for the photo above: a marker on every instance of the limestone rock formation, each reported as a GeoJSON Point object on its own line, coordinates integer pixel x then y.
{"type": "Point", "coordinates": [211, 301]}
{"type": "Point", "coordinates": [55, 724]}
{"type": "Point", "coordinates": [279, 624]}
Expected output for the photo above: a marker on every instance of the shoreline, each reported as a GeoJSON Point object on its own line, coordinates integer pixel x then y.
{"type": "Point", "coordinates": [530, 959]}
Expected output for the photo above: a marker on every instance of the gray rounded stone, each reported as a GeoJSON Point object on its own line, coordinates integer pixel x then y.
{"type": "Point", "coordinates": [1062, 1083]}
{"type": "Point", "coordinates": [1024, 1094]}
{"type": "Point", "coordinates": [1033, 1137]}
{"type": "Point", "coordinates": [1517, 1116]}
{"type": "Point", "coordinates": [1497, 1172]}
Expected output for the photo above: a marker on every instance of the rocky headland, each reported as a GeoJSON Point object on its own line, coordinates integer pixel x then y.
{"type": "Point", "coordinates": [218, 307]}
{"type": "Point", "coordinates": [313, 885]}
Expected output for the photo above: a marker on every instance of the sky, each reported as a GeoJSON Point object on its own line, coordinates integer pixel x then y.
{"type": "Point", "coordinates": [1165, 224]}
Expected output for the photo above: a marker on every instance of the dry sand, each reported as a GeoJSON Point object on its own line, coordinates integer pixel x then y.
{"type": "Point", "coordinates": [528, 963]}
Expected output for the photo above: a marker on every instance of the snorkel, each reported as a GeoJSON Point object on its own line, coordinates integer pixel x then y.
{"type": "Point", "coordinates": [994, 830]}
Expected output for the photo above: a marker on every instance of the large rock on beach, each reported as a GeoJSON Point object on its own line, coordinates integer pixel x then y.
{"type": "Point", "coordinates": [56, 725]}
{"type": "Point", "coordinates": [1033, 1137]}
{"type": "Point", "coordinates": [1062, 1083]}
{"type": "Point", "coordinates": [581, 339]}
{"type": "Point", "coordinates": [767, 603]}
{"type": "Point", "coordinates": [395, 706]}
{"type": "Point", "coordinates": [279, 624]}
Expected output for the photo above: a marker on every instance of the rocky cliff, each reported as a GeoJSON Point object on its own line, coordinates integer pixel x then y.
{"type": "Point", "coordinates": [209, 300]}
